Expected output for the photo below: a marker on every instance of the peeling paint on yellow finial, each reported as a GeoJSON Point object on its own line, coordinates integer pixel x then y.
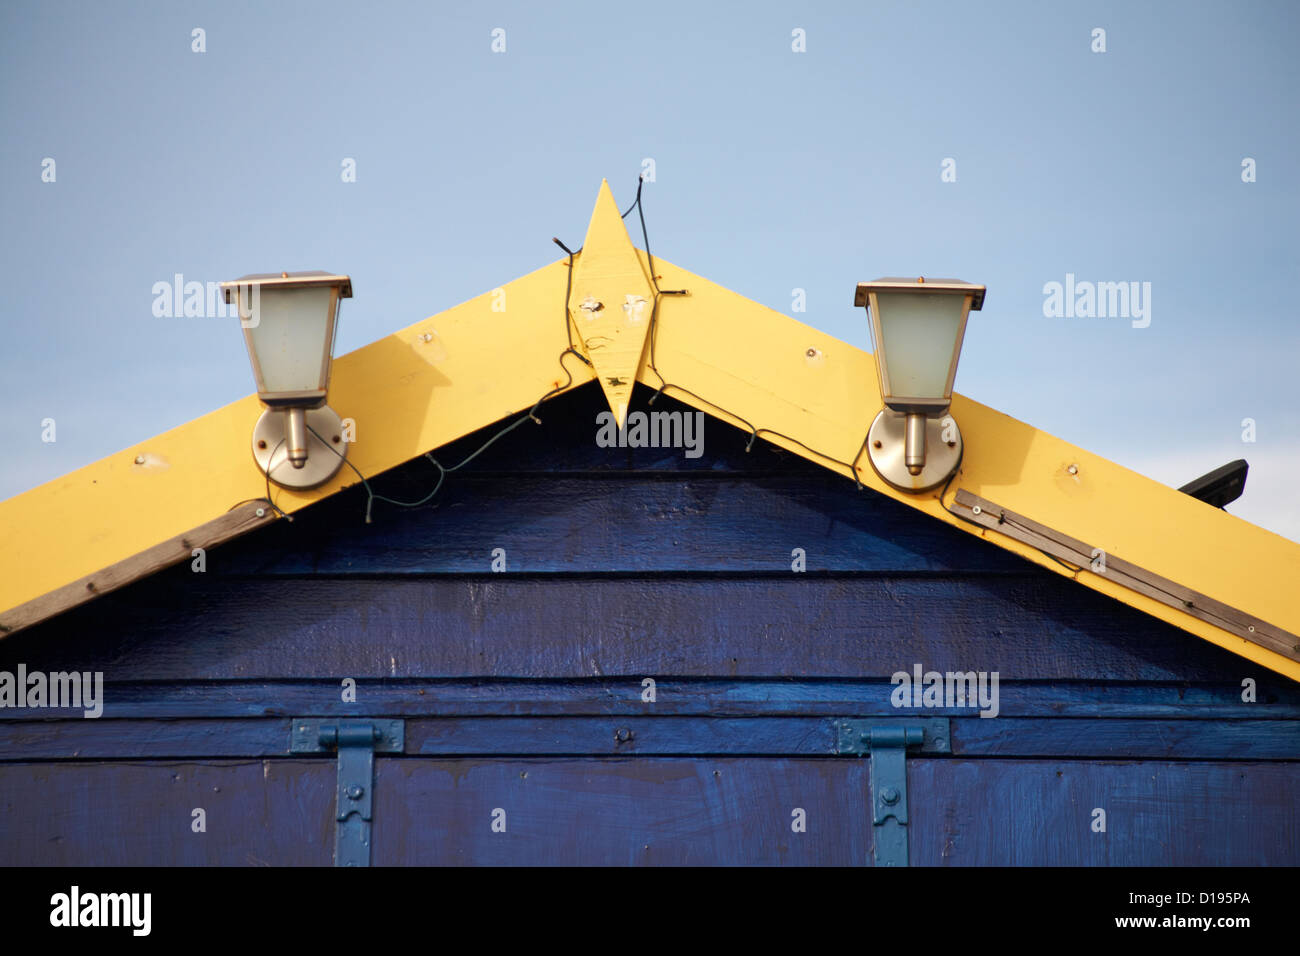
{"type": "Point", "coordinates": [611, 303]}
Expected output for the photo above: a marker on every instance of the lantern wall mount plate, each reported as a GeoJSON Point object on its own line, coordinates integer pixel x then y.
{"type": "Point", "coordinates": [887, 443]}
{"type": "Point", "coordinates": [917, 326]}
{"type": "Point", "coordinates": [289, 321]}
{"type": "Point", "coordinates": [271, 452]}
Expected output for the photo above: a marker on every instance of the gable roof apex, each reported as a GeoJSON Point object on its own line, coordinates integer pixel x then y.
{"type": "Point", "coordinates": [118, 519]}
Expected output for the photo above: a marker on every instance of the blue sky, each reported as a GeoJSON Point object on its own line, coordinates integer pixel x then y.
{"type": "Point", "coordinates": [774, 170]}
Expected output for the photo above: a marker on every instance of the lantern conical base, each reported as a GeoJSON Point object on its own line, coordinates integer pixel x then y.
{"type": "Point", "coordinates": [886, 447]}
{"type": "Point", "coordinates": [270, 447]}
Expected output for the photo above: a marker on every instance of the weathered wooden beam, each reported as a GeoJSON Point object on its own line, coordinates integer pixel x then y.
{"type": "Point", "coordinates": [238, 520]}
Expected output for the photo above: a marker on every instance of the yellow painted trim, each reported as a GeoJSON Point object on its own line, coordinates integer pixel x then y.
{"type": "Point", "coordinates": [610, 278]}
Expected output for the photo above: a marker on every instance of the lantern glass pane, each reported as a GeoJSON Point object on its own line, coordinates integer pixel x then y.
{"type": "Point", "coordinates": [290, 337]}
{"type": "Point", "coordinates": [920, 340]}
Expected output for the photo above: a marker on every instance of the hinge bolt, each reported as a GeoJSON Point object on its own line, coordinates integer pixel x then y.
{"type": "Point", "coordinates": [356, 793]}
{"type": "Point", "coordinates": [623, 735]}
{"type": "Point", "coordinates": [890, 796]}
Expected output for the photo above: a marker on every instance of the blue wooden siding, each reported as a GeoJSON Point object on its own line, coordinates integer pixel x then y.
{"type": "Point", "coordinates": [684, 810]}
{"type": "Point", "coordinates": [625, 564]}
{"type": "Point", "coordinates": [119, 813]}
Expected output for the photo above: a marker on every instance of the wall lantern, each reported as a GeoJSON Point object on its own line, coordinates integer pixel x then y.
{"type": "Point", "coordinates": [289, 320]}
{"type": "Point", "coordinates": [917, 326]}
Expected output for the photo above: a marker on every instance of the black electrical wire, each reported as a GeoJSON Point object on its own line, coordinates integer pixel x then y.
{"type": "Point", "coordinates": [664, 383]}
{"type": "Point", "coordinates": [531, 414]}
{"type": "Point", "coordinates": [568, 291]}
{"type": "Point", "coordinates": [266, 473]}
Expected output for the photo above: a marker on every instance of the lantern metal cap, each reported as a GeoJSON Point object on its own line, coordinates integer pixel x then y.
{"type": "Point", "coordinates": [921, 284]}
{"type": "Point", "coordinates": [290, 280]}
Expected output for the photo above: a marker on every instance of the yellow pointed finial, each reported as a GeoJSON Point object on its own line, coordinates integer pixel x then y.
{"type": "Point", "coordinates": [611, 303]}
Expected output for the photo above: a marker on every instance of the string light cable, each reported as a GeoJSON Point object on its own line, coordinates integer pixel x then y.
{"type": "Point", "coordinates": [443, 471]}
{"type": "Point", "coordinates": [266, 474]}
{"type": "Point", "coordinates": [531, 415]}
{"type": "Point", "coordinates": [664, 384]}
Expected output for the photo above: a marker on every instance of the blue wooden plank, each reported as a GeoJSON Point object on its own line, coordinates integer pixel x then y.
{"type": "Point", "coordinates": [704, 811]}
{"type": "Point", "coordinates": [272, 813]}
{"type": "Point", "coordinates": [142, 739]}
{"type": "Point", "coordinates": [1167, 739]}
{"type": "Point", "coordinates": [676, 812]}
{"type": "Point", "coordinates": [627, 524]}
{"type": "Point", "coordinates": [692, 697]}
{"type": "Point", "coordinates": [188, 626]}
{"type": "Point", "coordinates": [616, 736]}
{"type": "Point", "coordinates": [1041, 813]}
{"type": "Point", "coordinates": [623, 735]}
{"type": "Point", "coordinates": [1083, 737]}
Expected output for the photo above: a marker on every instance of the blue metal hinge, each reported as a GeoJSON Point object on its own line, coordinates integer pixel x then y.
{"type": "Point", "coordinates": [357, 742]}
{"type": "Point", "coordinates": [887, 742]}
